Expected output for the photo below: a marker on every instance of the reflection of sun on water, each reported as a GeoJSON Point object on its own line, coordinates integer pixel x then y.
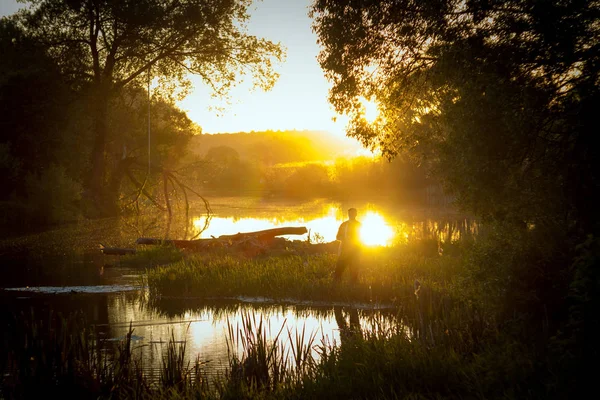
{"type": "Point", "coordinates": [374, 230]}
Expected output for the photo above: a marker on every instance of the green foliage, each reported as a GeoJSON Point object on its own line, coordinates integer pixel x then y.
{"type": "Point", "coordinates": [576, 346]}
{"type": "Point", "coordinates": [497, 99]}
{"type": "Point", "coordinates": [494, 97]}
{"type": "Point", "coordinates": [114, 45]}
{"type": "Point", "coordinates": [356, 178]}
{"type": "Point", "coordinates": [223, 172]}
{"type": "Point", "coordinates": [170, 130]}
{"type": "Point", "coordinates": [128, 38]}
{"type": "Point", "coordinates": [53, 195]}
{"type": "Point", "coordinates": [62, 356]}
{"type": "Point", "coordinates": [310, 178]}
{"type": "Point", "coordinates": [443, 343]}
{"type": "Point", "coordinates": [34, 102]}
{"type": "Point", "coordinates": [387, 276]}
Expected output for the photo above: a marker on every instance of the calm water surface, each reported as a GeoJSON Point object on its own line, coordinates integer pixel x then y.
{"type": "Point", "coordinates": [64, 270]}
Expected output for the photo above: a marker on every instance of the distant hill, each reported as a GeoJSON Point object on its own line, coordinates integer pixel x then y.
{"type": "Point", "coordinates": [274, 147]}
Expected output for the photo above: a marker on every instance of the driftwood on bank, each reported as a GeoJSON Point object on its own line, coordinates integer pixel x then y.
{"type": "Point", "coordinates": [301, 230]}
{"type": "Point", "coordinates": [255, 242]}
{"type": "Point", "coordinates": [264, 235]}
{"type": "Point", "coordinates": [248, 243]}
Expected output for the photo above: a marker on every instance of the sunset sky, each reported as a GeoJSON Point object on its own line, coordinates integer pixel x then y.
{"type": "Point", "coordinates": [299, 98]}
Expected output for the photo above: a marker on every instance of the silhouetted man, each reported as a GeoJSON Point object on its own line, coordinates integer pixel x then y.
{"type": "Point", "coordinates": [349, 251]}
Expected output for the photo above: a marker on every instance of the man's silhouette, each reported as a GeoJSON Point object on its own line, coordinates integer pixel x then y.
{"type": "Point", "coordinates": [347, 331]}
{"type": "Point", "coordinates": [349, 251]}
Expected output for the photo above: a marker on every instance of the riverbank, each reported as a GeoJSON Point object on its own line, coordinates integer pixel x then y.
{"type": "Point", "coordinates": [465, 333]}
{"type": "Point", "coordinates": [49, 355]}
{"type": "Point", "coordinates": [446, 341]}
{"type": "Point", "coordinates": [387, 275]}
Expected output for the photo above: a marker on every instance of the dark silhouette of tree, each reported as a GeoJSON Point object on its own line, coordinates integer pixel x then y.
{"type": "Point", "coordinates": [102, 46]}
{"type": "Point", "coordinates": [39, 184]}
{"type": "Point", "coordinates": [496, 97]}
{"type": "Point", "coordinates": [32, 104]}
{"type": "Point", "coordinates": [499, 99]}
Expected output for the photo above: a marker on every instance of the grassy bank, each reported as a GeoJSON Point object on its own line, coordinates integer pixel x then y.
{"type": "Point", "coordinates": [454, 339]}
{"type": "Point", "coordinates": [428, 290]}
{"type": "Point", "coordinates": [387, 275]}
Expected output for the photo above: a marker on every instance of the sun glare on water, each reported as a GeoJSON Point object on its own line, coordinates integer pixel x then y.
{"type": "Point", "coordinates": [374, 230]}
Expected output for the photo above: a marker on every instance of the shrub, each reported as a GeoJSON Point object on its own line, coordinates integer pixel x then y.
{"type": "Point", "coordinates": [53, 195]}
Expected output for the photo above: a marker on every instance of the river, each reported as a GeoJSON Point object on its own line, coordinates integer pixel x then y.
{"type": "Point", "coordinates": [62, 269]}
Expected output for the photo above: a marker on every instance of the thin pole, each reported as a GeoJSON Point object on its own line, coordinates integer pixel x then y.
{"type": "Point", "coordinates": [149, 120]}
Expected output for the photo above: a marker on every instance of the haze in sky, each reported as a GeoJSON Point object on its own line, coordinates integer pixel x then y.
{"type": "Point", "coordinates": [297, 101]}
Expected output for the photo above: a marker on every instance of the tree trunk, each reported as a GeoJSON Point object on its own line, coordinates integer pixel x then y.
{"type": "Point", "coordinates": [105, 200]}
{"type": "Point", "coordinates": [100, 131]}
{"type": "Point", "coordinates": [116, 178]}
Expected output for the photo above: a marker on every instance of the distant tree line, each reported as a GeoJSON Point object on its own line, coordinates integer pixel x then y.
{"type": "Point", "coordinates": [301, 165]}
{"type": "Point", "coordinates": [274, 147]}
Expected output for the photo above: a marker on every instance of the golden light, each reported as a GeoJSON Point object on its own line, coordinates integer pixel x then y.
{"type": "Point", "coordinates": [370, 110]}
{"type": "Point", "coordinates": [325, 226]}
{"type": "Point", "coordinates": [374, 230]}
{"type": "Point", "coordinates": [366, 153]}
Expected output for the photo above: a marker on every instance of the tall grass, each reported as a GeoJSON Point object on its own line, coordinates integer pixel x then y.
{"type": "Point", "coordinates": [387, 275]}
{"type": "Point", "coordinates": [378, 362]}
{"type": "Point", "coordinates": [63, 357]}
{"type": "Point", "coordinates": [426, 288]}
{"type": "Point", "coordinates": [446, 343]}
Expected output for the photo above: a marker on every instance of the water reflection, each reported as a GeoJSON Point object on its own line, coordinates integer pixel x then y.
{"type": "Point", "coordinates": [69, 257]}
{"type": "Point", "coordinates": [346, 328]}
{"type": "Point", "coordinates": [377, 228]}
{"type": "Point", "coordinates": [206, 328]}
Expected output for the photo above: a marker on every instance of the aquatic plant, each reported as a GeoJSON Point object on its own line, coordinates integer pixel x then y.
{"type": "Point", "coordinates": [383, 361]}
{"type": "Point", "coordinates": [64, 357]}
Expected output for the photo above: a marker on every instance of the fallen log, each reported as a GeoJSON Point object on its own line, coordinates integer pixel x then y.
{"type": "Point", "coordinates": [175, 242]}
{"type": "Point", "coordinates": [261, 235]}
{"type": "Point", "coordinates": [116, 251]}
{"type": "Point", "coordinates": [290, 230]}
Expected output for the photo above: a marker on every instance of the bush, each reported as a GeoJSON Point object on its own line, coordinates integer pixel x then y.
{"type": "Point", "coordinates": [53, 195]}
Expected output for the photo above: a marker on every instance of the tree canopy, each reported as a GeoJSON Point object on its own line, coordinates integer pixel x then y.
{"type": "Point", "coordinates": [497, 97]}
{"type": "Point", "coordinates": [102, 46]}
{"type": "Point", "coordinates": [116, 41]}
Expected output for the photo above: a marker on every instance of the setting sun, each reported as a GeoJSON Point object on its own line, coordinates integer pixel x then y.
{"type": "Point", "coordinates": [375, 231]}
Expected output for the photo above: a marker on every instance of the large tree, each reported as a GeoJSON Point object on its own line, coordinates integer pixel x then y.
{"type": "Point", "coordinates": [101, 46]}
{"type": "Point", "coordinates": [499, 98]}
{"type": "Point", "coordinates": [33, 126]}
